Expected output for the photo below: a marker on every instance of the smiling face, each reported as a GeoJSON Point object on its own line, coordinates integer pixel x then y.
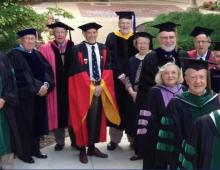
{"type": "Point", "coordinates": [142, 44]}
{"type": "Point", "coordinates": [196, 80]}
{"type": "Point", "coordinates": [124, 25]}
{"type": "Point", "coordinates": [59, 34]}
{"type": "Point", "coordinates": [170, 75]}
{"type": "Point", "coordinates": [202, 43]}
{"type": "Point", "coordinates": [167, 40]}
{"type": "Point", "coordinates": [91, 35]}
{"type": "Point", "coordinates": [28, 42]}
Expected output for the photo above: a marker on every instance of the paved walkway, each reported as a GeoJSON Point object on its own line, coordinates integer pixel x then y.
{"type": "Point", "coordinates": [102, 13]}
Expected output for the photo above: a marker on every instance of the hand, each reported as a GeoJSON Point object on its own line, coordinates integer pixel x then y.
{"type": "Point", "coordinates": [43, 90]}
{"type": "Point", "coordinates": [122, 78]}
{"type": "Point", "coordinates": [2, 103]}
{"type": "Point", "coordinates": [98, 91]}
{"type": "Point", "coordinates": [132, 93]}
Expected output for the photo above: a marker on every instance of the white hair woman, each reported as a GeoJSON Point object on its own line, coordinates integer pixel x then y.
{"type": "Point", "coordinates": [143, 43]}
{"type": "Point", "coordinates": [168, 84]}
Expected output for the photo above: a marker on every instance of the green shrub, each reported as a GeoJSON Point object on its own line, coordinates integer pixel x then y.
{"type": "Point", "coordinates": [187, 20]}
{"type": "Point", "coordinates": [14, 17]}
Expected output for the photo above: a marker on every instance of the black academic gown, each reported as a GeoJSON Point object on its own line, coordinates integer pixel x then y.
{"type": "Point", "coordinates": [156, 104]}
{"type": "Point", "coordinates": [120, 50]}
{"type": "Point", "coordinates": [10, 96]}
{"type": "Point", "coordinates": [31, 71]}
{"type": "Point", "coordinates": [62, 82]}
{"type": "Point", "coordinates": [176, 124]}
{"type": "Point", "coordinates": [155, 59]}
{"type": "Point", "coordinates": [215, 80]}
{"type": "Point", "coordinates": [201, 149]}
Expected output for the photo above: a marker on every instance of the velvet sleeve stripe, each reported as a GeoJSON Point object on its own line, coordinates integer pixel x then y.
{"type": "Point", "coordinates": [166, 134]}
{"type": "Point", "coordinates": [185, 163]}
{"type": "Point", "coordinates": [189, 149]}
{"type": "Point", "coordinates": [165, 147]}
{"type": "Point", "coordinates": [166, 121]}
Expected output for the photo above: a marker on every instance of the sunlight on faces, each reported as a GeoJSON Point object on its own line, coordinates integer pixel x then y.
{"type": "Point", "coordinates": [124, 25]}
{"type": "Point", "coordinates": [59, 34]}
{"type": "Point", "coordinates": [167, 40]}
{"type": "Point", "coordinates": [28, 42]}
{"type": "Point", "coordinates": [196, 80]}
{"type": "Point", "coordinates": [202, 43]}
{"type": "Point", "coordinates": [170, 75]}
{"type": "Point", "coordinates": [91, 35]}
{"type": "Point", "coordinates": [142, 44]}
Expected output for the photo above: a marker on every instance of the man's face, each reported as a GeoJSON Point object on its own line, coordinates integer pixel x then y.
{"type": "Point", "coordinates": [124, 25]}
{"type": "Point", "coordinates": [28, 42]}
{"type": "Point", "coordinates": [167, 40]}
{"type": "Point", "coordinates": [202, 43]}
{"type": "Point", "coordinates": [91, 35]}
{"type": "Point", "coordinates": [142, 45]}
{"type": "Point", "coordinates": [59, 34]}
{"type": "Point", "coordinates": [196, 80]}
{"type": "Point", "coordinates": [216, 57]}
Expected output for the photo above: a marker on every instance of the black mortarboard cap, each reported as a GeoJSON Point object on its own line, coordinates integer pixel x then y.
{"type": "Point", "coordinates": [27, 31]}
{"type": "Point", "coordinates": [166, 26]}
{"type": "Point", "coordinates": [216, 45]}
{"type": "Point", "coordinates": [143, 34]}
{"type": "Point", "coordinates": [201, 30]}
{"type": "Point", "coordinates": [125, 14]}
{"type": "Point", "coordinates": [89, 25]}
{"type": "Point", "coordinates": [196, 64]}
{"type": "Point", "coordinates": [59, 24]}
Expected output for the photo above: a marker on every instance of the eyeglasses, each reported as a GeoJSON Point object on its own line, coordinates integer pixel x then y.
{"type": "Point", "coordinates": [202, 42]}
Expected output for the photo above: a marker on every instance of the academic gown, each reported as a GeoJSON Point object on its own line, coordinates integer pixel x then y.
{"type": "Point", "coordinates": [201, 149]}
{"type": "Point", "coordinates": [121, 49]}
{"type": "Point", "coordinates": [31, 71]}
{"type": "Point", "coordinates": [215, 79]}
{"type": "Point", "coordinates": [193, 54]}
{"type": "Point", "coordinates": [149, 121]}
{"type": "Point", "coordinates": [155, 59]}
{"type": "Point", "coordinates": [57, 100]}
{"type": "Point", "coordinates": [81, 93]}
{"type": "Point", "coordinates": [176, 124]}
{"type": "Point", "coordinates": [131, 120]}
{"type": "Point", "coordinates": [9, 140]}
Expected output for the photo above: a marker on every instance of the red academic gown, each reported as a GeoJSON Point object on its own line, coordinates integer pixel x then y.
{"type": "Point", "coordinates": [81, 91]}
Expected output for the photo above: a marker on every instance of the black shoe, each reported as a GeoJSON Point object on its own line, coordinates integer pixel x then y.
{"type": "Point", "coordinates": [96, 152]}
{"type": "Point", "coordinates": [135, 157]}
{"type": "Point", "coordinates": [27, 159]}
{"type": "Point", "coordinates": [83, 157]}
{"type": "Point", "coordinates": [112, 146]}
{"type": "Point", "coordinates": [40, 155]}
{"type": "Point", "coordinates": [58, 147]}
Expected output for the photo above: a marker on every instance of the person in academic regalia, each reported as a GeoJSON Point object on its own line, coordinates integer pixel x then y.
{"type": "Point", "coordinates": [8, 127]}
{"type": "Point", "coordinates": [167, 52]}
{"type": "Point", "coordinates": [120, 44]}
{"type": "Point", "coordinates": [91, 93]}
{"type": "Point", "coordinates": [58, 53]}
{"type": "Point", "coordinates": [34, 79]}
{"type": "Point", "coordinates": [143, 43]}
{"type": "Point", "coordinates": [203, 145]}
{"type": "Point", "coordinates": [168, 79]}
{"type": "Point", "coordinates": [215, 70]}
{"type": "Point", "coordinates": [202, 42]}
{"type": "Point", "coordinates": [182, 112]}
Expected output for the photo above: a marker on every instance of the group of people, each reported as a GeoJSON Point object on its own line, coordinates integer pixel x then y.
{"type": "Point", "coordinates": [165, 99]}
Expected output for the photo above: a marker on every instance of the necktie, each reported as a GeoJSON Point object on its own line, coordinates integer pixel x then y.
{"type": "Point", "coordinates": [95, 65]}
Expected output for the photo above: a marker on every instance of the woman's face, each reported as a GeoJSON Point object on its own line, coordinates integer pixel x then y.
{"type": "Point", "coordinates": [142, 45]}
{"type": "Point", "coordinates": [170, 76]}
